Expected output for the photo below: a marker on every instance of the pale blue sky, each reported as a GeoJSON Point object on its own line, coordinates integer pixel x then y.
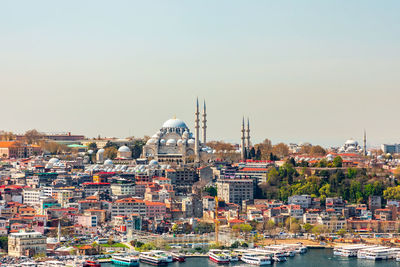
{"type": "Point", "coordinates": [317, 71]}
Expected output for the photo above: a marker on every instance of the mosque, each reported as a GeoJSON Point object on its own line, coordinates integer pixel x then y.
{"type": "Point", "coordinates": [175, 143]}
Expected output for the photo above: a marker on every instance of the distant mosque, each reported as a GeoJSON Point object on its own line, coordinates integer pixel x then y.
{"type": "Point", "coordinates": [174, 143]}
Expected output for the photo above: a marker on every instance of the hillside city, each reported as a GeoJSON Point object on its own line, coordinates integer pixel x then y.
{"type": "Point", "coordinates": [65, 195]}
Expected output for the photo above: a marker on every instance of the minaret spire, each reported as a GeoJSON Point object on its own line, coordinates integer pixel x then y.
{"type": "Point", "coordinates": [365, 143]}
{"type": "Point", "coordinates": [248, 144]}
{"type": "Point", "coordinates": [196, 129]}
{"type": "Point", "coordinates": [243, 145]}
{"type": "Point", "coordinates": [204, 123]}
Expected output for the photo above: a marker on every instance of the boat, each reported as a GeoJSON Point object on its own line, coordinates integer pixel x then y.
{"type": "Point", "coordinates": [256, 259]}
{"type": "Point", "coordinates": [151, 258]}
{"type": "Point", "coordinates": [217, 256]}
{"type": "Point", "coordinates": [161, 253]}
{"type": "Point", "coordinates": [233, 257]}
{"type": "Point", "coordinates": [91, 263]}
{"type": "Point", "coordinates": [178, 257]}
{"type": "Point", "coordinates": [125, 260]}
{"type": "Point", "coordinates": [278, 256]}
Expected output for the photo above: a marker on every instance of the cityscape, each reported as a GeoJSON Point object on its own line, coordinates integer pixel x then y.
{"type": "Point", "coordinates": [90, 178]}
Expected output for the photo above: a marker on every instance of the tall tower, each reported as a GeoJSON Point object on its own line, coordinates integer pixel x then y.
{"type": "Point", "coordinates": [196, 131]}
{"type": "Point", "coordinates": [243, 145]}
{"type": "Point", "coordinates": [204, 123]}
{"type": "Point", "coordinates": [248, 144]}
{"type": "Point", "coordinates": [365, 143]}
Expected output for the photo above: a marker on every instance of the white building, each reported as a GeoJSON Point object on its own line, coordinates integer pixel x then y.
{"type": "Point", "coordinates": [26, 244]}
{"type": "Point", "coordinates": [31, 196]}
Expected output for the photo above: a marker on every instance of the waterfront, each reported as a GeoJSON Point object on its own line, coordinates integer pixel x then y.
{"type": "Point", "coordinates": [313, 258]}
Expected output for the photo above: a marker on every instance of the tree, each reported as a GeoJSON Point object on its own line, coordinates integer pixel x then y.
{"type": "Point", "coordinates": [281, 150]}
{"type": "Point", "coordinates": [342, 232]}
{"type": "Point", "coordinates": [110, 152]}
{"type": "Point", "coordinates": [307, 227]}
{"type": "Point", "coordinates": [317, 151]}
{"type": "Point", "coordinates": [33, 136]}
{"type": "Point", "coordinates": [337, 162]}
{"type": "Point", "coordinates": [294, 228]}
{"type": "Point", "coordinates": [4, 242]}
{"type": "Point", "coordinates": [392, 193]}
{"type": "Point", "coordinates": [110, 144]}
{"type": "Point", "coordinates": [211, 190]}
{"type": "Point", "coordinates": [92, 146]}
{"type": "Point", "coordinates": [258, 154]}
{"type": "Point", "coordinates": [265, 148]}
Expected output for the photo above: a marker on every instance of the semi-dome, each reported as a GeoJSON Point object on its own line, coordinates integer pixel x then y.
{"type": "Point", "coordinates": [90, 151]}
{"type": "Point", "coordinates": [100, 151]}
{"type": "Point", "coordinates": [153, 162]}
{"type": "Point", "coordinates": [108, 162]}
{"type": "Point", "coordinates": [174, 123]}
{"type": "Point", "coordinates": [124, 149]}
{"type": "Point", "coordinates": [185, 134]}
{"type": "Point", "coordinates": [191, 142]}
{"type": "Point", "coordinates": [150, 141]}
{"type": "Point", "coordinates": [179, 142]}
{"type": "Point", "coordinates": [53, 160]}
{"type": "Point", "coordinates": [162, 141]}
{"type": "Point", "coordinates": [171, 142]}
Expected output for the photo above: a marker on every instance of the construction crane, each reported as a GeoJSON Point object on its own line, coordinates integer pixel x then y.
{"type": "Point", "coordinates": [216, 221]}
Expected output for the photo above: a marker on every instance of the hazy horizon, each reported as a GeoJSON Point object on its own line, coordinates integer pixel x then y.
{"type": "Point", "coordinates": [308, 71]}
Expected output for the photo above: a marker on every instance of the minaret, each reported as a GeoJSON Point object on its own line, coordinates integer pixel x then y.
{"type": "Point", "coordinates": [365, 143]}
{"type": "Point", "coordinates": [243, 145]}
{"type": "Point", "coordinates": [196, 132]}
{"type": "Point", "coordinates": [204, 123]}
{"type": "Point", "coordinates": [248, 144]}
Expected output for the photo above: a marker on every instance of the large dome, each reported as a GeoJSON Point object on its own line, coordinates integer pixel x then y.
{"type": "Point", "coordinates": [174, 123]}
{"type": "Point", "coordinates": [124, 149]}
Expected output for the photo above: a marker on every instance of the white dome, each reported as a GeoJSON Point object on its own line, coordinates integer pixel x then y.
{"type": "Point", "coordinates": [162, 141]}
{"type": "Point", "coordinates": [185, 134]}
{"type": "Point", "coordinates": [53, 160]}
{"type": "Point", "coordinates": [90, 151]}
{"type": "Point", "coordinates": [155, 136]}
{"type": "Point", "coordinates": [191, 142]}
{"type": "Point", "coordinates": [124, 149]}
{"type": "Point", "coordinates": [100, 151]}
{"type": "Point", "coordinates": [351, 142]}
{"type": "Point", "coordinates": [153, 162]}
{"type": "Point", "coordinates": [179, 142]}
{"type": "Point", "coordinates": [108, 162]}
{"type": "Point", "coordinates": [171, 142]}
{"type": "Point", "coordinates": [174, 123]}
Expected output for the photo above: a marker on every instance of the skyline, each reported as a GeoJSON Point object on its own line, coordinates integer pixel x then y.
{"type": "Point", "coordinates": [319, 73]}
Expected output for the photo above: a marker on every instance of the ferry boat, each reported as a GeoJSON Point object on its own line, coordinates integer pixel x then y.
{"type": "Point", "coordinates": [277, 256]}
{"type": "Point", "coordinates": [178, 257]}
{"type": "Point", "coordinates": [348, 251]}
{"type": "Point", "coordinates": [256, 259]}
{"type": "Point", "coordinates": [153, 259]}
{"type": "Point", "coordinates": [233, 257]}
{"type": "Point", "coordinates": [161, 253]}
{"type": "Point", "coordinates": [89, 263]}
{"type": "Point", "coordinates": [362, 253]}
{"type": "Point", "coordinates": [217, 256]}
{"type": "Point", "coordinates": [125, 260]}
{"type": "Point", "coordinates": [381, 254]}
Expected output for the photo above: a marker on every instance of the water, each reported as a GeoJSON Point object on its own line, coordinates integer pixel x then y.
{"type": "Point", "coordinates": [313, 258]}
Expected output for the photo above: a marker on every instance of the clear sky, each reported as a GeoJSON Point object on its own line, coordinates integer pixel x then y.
{"type": "Point", "coordinates": [317, 71]}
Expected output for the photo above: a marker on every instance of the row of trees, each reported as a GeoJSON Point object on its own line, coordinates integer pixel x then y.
{"type": "Point", "coordinates": [353, 185]}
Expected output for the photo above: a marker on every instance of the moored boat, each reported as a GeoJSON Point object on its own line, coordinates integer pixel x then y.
{"type": "Point", "coordinates": [218, 256]}
{"type": "Point", "coordinates": [91, 263]}
{"type": "Point", "coordinates": [256, 259]}
{"type": "Point", "coordinates": [125, 260]}
{"type": "Point", "coordinates": [153, 259]}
